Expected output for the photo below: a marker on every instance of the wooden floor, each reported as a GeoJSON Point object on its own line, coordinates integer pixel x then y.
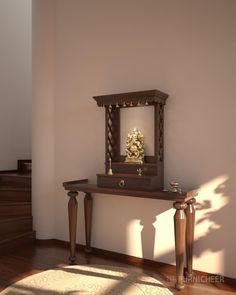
{"type": "Point", "coordinates": [37, 258]}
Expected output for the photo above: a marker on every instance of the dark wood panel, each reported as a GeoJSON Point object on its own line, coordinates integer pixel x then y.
{"type": "Point", "coordinates": [11, 242]}
{"type": "Point", "coordinates": [10, 225]}
{"type": "Point", "coordinates": [11, 194]}
{"type": "Point", "coordinates": [150, 96]}
{"type": "Point", "coordinates": [16, 180]}
{"type": "Point", "coordinates": [8, 171]}
{"type": "Point", "coordinates": [15, 209]}
{"type": "Point", "coordinates": [24, 166]}
{"type": "Point", "coordinates": [16, 227]}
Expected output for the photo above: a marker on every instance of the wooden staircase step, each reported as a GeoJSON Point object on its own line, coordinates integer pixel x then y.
{"type": "Point", "coordinates": [14, 194]}
{"type": "Point", "coordinates": [13, 224]}
{"type": "Point", "coordinates": [15, 180]}
{"type": "Point", "coordinates": [10, 242]}
{"type": "Point", "coordinates": [24, 166]}
{"type": "Point", "coordinates": [16, 221]}
{"type": "Point", "coordinates": [15, 209]}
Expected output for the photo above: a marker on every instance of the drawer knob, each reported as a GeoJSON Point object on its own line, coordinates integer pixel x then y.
{"type": "Point", "coordinates": [122, 183]}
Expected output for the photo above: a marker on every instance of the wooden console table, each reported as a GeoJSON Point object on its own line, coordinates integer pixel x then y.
{"type": "Point", "coordinates": [184, 220]}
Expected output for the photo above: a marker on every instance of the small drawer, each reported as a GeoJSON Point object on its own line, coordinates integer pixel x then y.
{"type": "Point", "coordinates": [128, 182]}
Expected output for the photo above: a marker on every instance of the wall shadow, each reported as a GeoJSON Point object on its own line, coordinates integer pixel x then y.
{"type": "Point", "coordinates": [216, 217]}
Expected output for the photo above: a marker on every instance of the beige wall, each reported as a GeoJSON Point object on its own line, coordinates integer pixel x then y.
{"type": "Point", "coordinates": [43, 115]}
{"type": "Point", "coordinates": [185, 48]}
{"type": "Point", "coordinates": [15, 82]}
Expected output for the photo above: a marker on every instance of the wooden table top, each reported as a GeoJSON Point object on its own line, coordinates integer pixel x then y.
{"type": "Point", "coordinates": [84, 186]}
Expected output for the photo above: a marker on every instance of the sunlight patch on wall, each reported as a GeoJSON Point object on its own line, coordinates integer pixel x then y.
{"type": "Point", "coordinates": [210, 199]}
{"type": "Point", "coordinates": [133, 238]}
{"type": "Point", "coordinates": [213, 264]}
{"type": "Point", "coordinates": [210, 229]}
{"type": "Point", "coordinates": [164, 243]}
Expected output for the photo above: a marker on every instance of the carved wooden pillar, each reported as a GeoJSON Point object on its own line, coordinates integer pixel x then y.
{"type": "Point", "coordinates": [88, 206]}
{"type": "Point", "coordinates": [112, 140]}
{"type": "Point", "coordinates": [190, 215]}
{"type": "Point", "coordinates": [180, 230]}
{"type": "Point", "coordinates": [159, 140]}
{"type": "Point", "coordinates": [72, 213]}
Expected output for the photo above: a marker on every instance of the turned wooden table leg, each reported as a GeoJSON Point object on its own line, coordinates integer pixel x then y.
{"type": "Point", "coordinates": [72, 213]}
{"type": "Point", "coordinates": [88, 206]}
{"type": "Point", "coordinates": [190, 216]}
{"type": "Point", "coordinates": [180, 230]}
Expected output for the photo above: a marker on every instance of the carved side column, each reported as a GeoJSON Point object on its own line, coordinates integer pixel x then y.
{"type": "Point", "coordinates": [190, 215]}
{"type": "Point", "coordinates": [180, 230]}
{"type": "Point", "coordinates": [72, 213]}
{"type": "Point", "coordinates": [88, 206]}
